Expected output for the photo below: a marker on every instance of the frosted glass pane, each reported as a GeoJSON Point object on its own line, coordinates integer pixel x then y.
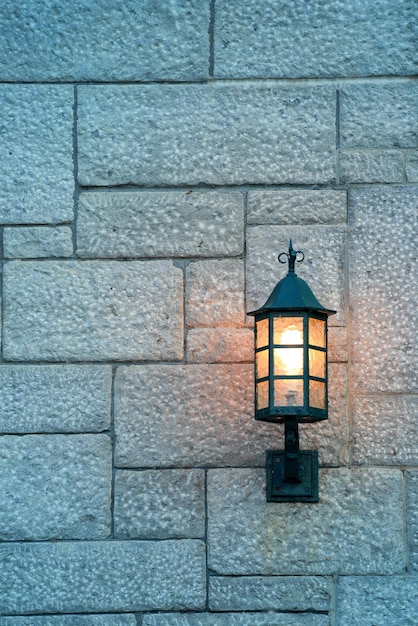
{"type": "Point", "coordinates": [288, 330]}
{"type": "Point", "coordinates": [262, 395]}
{"type": "Point", "coordinates": [316, 332]}
{"type": "Point", "coordinates": [316, 363]}
{"type": "Point", "coordinates": [262, 363]}
{"type": "Point", "coordinates": [288, 361]}
{"type": "Point", "coordinates": [262, 333]}
{"type": "Point", "coordinates": [288, 392]}
{"type": "Point", "coordinates": [317, 394]}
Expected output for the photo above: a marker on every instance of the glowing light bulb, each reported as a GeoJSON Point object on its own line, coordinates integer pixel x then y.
{"type": "Point", "coordinates": [291, 358]}
{"type": "Point", "coordinates": [291, 335]}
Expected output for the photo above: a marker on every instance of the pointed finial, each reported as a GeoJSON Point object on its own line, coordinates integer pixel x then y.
{"type": "Point", "coordinates": [291, 257]}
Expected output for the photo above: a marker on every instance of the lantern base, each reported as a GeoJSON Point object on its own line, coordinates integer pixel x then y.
{"type": "Point", "coordinates": [280, 490]}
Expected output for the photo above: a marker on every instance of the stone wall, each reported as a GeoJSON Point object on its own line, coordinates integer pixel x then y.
{"type": "Point", "coordinates": [155, 158]}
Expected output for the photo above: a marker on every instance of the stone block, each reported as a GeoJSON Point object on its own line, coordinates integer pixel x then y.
{"type": "Point", "coordinates": [160, 224]}
{"type": "Point", "coordinates": [185, 415]}
{"type": "Point", "coordinates": [122, 41]}
{"type": "Point", "coordinates": [258, 593]}
{"type": "Point", "coordinates": [296, 39]}
{"type": "Point", "coordinates": [412, 519]}
{"type": "Point", "coordinates": [93, 310]}
{"type": "Point", "coordinates": [411, 167]}
{"type": "Point", "coordinates": [235, 619]}
{"type": "Point", "coordinates": [215, 293]}
{"type": "Point", "coordinates": [206, 417]}
{"type": "Point", "coordinates": [223, 345]}
{"type": "Point", "coordinates": [102, 576]}
{"type": "Point", "coordinates": [377, 601]}
{"type": "Point", "coordinates": [55, 487]}
{"type": "Point", "coordinates": [379, 166]}
{"type": "Point", "coordinates": [217, 133]}
{"type": "Point", "coordinates": [54, 398]}
{"type": "Point", "coordinates": [385, 430]}
{"type": "Point", "coordinates": [337, 344]}
{"type": "Point", "coordinates": [297, 206]}
{"type": "Point", "coordinates": [323, 267]}
{"type": "Point", "coordinates": [356, 528]}
{"type": "Point", "coordinates": [160, 504]}
{"type": "Point", "coordinates": [383, 292]}
{"type": "Point", "coordinates": [36, 158]}
{"type": "Point", "coordinates": [70, 620]}
{"type": "Point", "coordinates": [37, 242]}
{"type": "Point", "coordinates": [379, 115]}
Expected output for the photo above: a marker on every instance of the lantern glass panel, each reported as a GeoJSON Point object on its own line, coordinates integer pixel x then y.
{"type": "Point", "coordinates": [262, 395]}
{"type": "Point", "coordinates": [288, 392]}
{"type": "Point", "coordinates": [316, 363]}
{"type": "Point", "coordinates": [288, 331]}
{"type": "Point", "coordinates": [262, 363]}
{"type": "Point", "coordinates": [317, 394]}
{"type": "Point", "coordinates": [288, 361]}
{"type": "Point", "coordinates": [262, 333]}
{"type": "Point", "coordinates": [317, 332]}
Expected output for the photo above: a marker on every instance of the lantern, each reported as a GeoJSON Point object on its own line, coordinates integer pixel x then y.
{"type": "Point", "coordinates": [291, 379]}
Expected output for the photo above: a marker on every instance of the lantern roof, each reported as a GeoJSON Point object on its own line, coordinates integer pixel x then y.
{"type": "Point", "coordinates": [292, 293]}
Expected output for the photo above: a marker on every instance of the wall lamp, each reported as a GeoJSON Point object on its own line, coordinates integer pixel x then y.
{"type": "Point", "coordinates": [291, 379]}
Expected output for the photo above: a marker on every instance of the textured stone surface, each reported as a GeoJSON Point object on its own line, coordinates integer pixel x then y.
{"type": "Point", "coordinates": [223, 345]}
{"type": "Point", "coordinates": [156, 224]}
{"type": "Point", "coordinates": [297, 206]}
{"type": "Point", "coordinates": [356, 528]}
{"type": "Point", "coordinates": [70, 620]}
{"type": "Point", "coordinates": [55, 487]}
{"type": "Point", "coordinates": [54, 398]}
{"type": "Point", "coordinates": [217, 134]}
{"type": "Point", "coordinates": [337, 344]}
{"type": "Point", "coordinates": [36, 152]}
{"type": "Point", "coordinates": [383, 166]}
{"type": "Point", "coordinates": [235, 619]}
{"type": "Point", "coordinates": [379, 115]}
{"type": "Point", "coordinates": [102, 576]}
{"type": "Point", "coordinates": [383, 292]}
{"type": "Point", "coordinates": [120, 40]}
{"type": "Point", "coordinates": [93, 310]}
{"type": "Point", "coordinates": [258, 593]}
{"type": "Point", "coordinates": [215, 293]}
{"type": "Point", "coordinates": [411, 167]}
{"type": "Point", "coordinates": [412, 519]}
{"type": "Point", "coordinates": [385, 430]}
{"type": "Point", "coordinates": [323, 267]}
{"type": "Point", "coordinates": [298, 39]}
{"type": "Point", "coordinates": [176, 415]}
{"type": "Point", "coordinates": [377, 601]}
{"type": "Point", "coordinates": [37, 241]}
{"type": "Point", "coordinates": [160, 504]}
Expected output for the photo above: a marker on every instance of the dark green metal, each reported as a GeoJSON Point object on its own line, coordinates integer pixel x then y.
{"type": "Point", "coordinates": [292, 293]}
{"type": "Point", "coordinates": [292, 474]}
{"type": "Point", "coordinates": [291, 452]}
{"type": "Point", "coordinates": [281, 490]}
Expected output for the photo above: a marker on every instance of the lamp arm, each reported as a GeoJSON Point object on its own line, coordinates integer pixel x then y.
{"type": "Point", "coordinates": [291, 452]}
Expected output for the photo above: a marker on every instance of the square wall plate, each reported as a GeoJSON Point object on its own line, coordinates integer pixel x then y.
{"type": "Point", "coordinates": [278, 490]}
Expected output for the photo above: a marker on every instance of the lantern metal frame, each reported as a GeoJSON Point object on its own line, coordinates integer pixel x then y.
{"type": "Point", "coordinates": [292, 474]}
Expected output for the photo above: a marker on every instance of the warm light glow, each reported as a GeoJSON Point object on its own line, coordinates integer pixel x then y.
{"type": "Point", "coordinates": [291, 335]}
{"type": "Point", "coordinates": [289, 361]}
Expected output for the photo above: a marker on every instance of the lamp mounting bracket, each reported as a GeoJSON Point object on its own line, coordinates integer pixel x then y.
{"type": "Point", "coordinates": [292, 474]}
